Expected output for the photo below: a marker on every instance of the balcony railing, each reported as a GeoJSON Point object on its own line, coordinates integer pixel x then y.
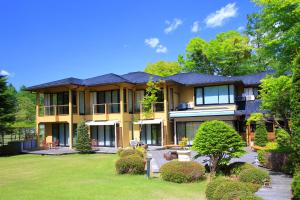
{"type": "Point", "coordinates": [156, 107]}
{"type": "Point", "coordinates": [56, 110]}
{"type": "Point", "coordinates": [106, 108]}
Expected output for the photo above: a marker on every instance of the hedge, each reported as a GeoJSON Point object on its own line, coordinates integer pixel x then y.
{"type": "Point", "coordinates": [255, 175]}
{"type": "Point", "coordinates": [212, 186]}
{"type": "Point", "coordinates": [228, 187]}
{"type": "Point", "coordinates": [182, 172]}
{"type": "Point", "coordinates": [236, 167]}
{"type": "Point", "coordinates": [127, 152]}
{"type": "Point", "coordinates": [131, 164]}
{"type": "Point", "coordinates": [240, 195]}
{"type": "Point", "coordinates": [296, 187]}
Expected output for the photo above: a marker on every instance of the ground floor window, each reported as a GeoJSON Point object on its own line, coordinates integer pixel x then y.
{"type": "Point", "coordinates": [60, 132]}
{"type": "Point", "coordinates": [186, 129]}
{"type": "Point", "coordinates": [151, 134]}
{"type": "Point", "coordinates": [104, 135]}
{"type": "Point", "coordinates": [74, 134]}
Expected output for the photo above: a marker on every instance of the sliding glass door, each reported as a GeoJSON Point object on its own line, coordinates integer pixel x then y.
{"type": "Point", "coordinates": [60, 133]}
{"type": "Point", "coordinates": [151, 134]}
{"type": "Point", "coordinates": [103, 135]}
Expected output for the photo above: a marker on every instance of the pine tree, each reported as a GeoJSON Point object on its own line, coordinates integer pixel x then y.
{"type": "Point", "coordinates": [83, 144]}
{"type": "Point", "coordinates": [7, 106]}
{"type": "Point", "coordinates": [261, 134]}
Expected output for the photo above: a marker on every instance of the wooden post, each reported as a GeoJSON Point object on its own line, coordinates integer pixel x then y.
{"type": "Point", "coordinates": [77, 103]}
{"type": "Point", "coordinates": [165, 134]}
{"type": "Point", "coordinates": [70, 120]}
{"type": "Point", "coordinates": [175, 132]}
{"type": "Point", "coordinates": [122, 116]}
{"type": "Point", "coordinates": [37, 118]}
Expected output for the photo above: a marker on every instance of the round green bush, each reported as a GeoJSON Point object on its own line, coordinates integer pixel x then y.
{"type": "Point", "coordinates": [212, 186]}
{"type": "Point", "coordinates": [240, 195]}
{"type": "Point", "coordinates": [127, 152]}
{"type": "Point", "coordinates": [132, 164]}
{"type": "Point", "coordinates": [255, 175]}
{"type": "Point", "coordinates": [296, 187]}
{"type": "Point", "coordinates": [182, 172]}
{"type": "Point", "coordinates": [236, 168]}
{"type": "Point", "coordinates": [228, 187]}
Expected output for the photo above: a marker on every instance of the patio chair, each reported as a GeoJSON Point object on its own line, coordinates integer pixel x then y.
{"type": "Point", "coordinates": [94, 144]}
{"type": "Point", "coordinates": [55, 144]}
{"type": "Point", "coordinates": [45, 145]}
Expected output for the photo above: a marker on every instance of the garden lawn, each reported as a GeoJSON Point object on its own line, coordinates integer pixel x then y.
{"type": "Point", "coordinates": [83, 177]}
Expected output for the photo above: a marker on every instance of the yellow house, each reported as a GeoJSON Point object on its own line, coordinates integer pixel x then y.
{"type": "Point", "coordinates": [110, 105]}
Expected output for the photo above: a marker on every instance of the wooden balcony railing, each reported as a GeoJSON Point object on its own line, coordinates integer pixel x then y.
{"type": "Point", "coordinates": [156, 107]}
{"type": "Point", "coordinates": [56, 110]}
{"type": "Point", "coordinates": [106, 108]}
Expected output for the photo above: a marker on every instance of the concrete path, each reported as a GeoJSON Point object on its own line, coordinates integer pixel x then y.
{"type": "Point", "coordinates": [280, 183]}
{"type": "Point", "coordinates": [280, 187]}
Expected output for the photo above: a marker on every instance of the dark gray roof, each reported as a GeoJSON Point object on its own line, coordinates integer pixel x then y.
{"type": "Point", "coordinates": [193, 78]}
{"type": "Point", "coordinates": [66, 81]}
{"type": "Point", "coordinates": [190, 78]}
{"type": "Point", "coordinates": [253, 79]}
{"type": "Point", "coordinates": [251, 107]}
{"type": "Point", "coordinates": [104, 79]}
{"type": "Point", "coordinates": [141, 77]}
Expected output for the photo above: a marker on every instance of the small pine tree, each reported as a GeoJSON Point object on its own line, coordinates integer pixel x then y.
{"type": "Point", "coordinates": [83, 144]}
{"type": "Point", "coordinates": [261, 134]}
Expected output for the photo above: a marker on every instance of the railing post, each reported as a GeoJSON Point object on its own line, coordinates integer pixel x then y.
{"type": "Point", "coordinates": [105, 109]}
{"type": "Point", "coordinates": [93, 108]}
{"type": "Point", "coordinates": [70, 119]}
{"type": "Point", "coordinates": [37, 104]}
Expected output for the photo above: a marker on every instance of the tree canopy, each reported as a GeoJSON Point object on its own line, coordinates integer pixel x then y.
{"type": "Point", "coordinates": [7, 106]}
{"type": "Point", "coordinates": [219, 141]}
{"type": "Point", "coordinates": [275, 94]}
{"type": "Point", "coordinates": [275, 30]}
{"type": "Point", "coordinates": [228, 54]}
{"type": "Point", "coordinates": [163, 68]}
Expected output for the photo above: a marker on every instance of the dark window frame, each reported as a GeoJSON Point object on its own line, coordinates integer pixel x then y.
{"type": "Point", "coordinates": [203, 97]}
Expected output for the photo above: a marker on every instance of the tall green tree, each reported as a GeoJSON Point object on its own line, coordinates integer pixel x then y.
{"type": "Point", "coordinates": [7, 106]}
{"type": "Point", "coordinates": [275, 29]}
{"type": "Point", "coordinates": [163, 68]}
{"type": "Point", "coordinates": [227, 54]}
{"type": "Point", "coordinates": [295, 110]}
{"type": "Point", "coordinates": [275, 94]}
{"type": "Point", "coordinates": [25, 115]}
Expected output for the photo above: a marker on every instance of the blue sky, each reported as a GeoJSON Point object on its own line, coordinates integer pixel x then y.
{"type": "Point", "coordinates": [46, 40]}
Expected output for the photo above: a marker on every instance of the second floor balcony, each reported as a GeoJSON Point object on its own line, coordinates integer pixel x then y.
{"type": "Point", "coordinates": [56, 110]}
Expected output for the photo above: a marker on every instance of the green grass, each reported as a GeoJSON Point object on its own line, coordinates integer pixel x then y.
{"type": "Point", "coordinates": [83, 177]}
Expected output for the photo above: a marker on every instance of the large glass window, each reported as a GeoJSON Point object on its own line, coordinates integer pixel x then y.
{"type": "Point", "coordinates": [223, 94]}
{"type": "Point", "coordinates": [187, 130]}
{"type": "Point", "coordinates": [139, 95]}
{"type": "Point", "coordinates": [130, 101]}
{"type": "Point", "coordinates": [81, 103]}
{"type": "Point", "coordinates": [111, 98]}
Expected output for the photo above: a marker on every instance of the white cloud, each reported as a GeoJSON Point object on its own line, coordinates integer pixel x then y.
{"type": "Point", "coordinates": [218, 17]}
{"type": "Point", "coordinates": [161, 49]}
{"type": "Point", "coordinates": [195, 27]}
{"type": "Point", "coordinates": [152, 42]}
{"type": "Point", "coordinates": [172, 26]}
{"type": "Point", "coordinates": [4, 72]}
{"type": "Point", "coordinates": [241, 28]}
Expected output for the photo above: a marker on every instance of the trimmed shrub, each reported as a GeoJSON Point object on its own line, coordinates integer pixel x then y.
{"type": "Point", "coordinates": [127, 152]}
{"type": "Point", "coordinates": [219, 141]}
{"type": "Point", "coordinates": [236, 167]}
{"type": "Point", "coordinates": [131, 164]}
{"type": "Point", "coordinates": [253, 187]}
{"type": "Point", "coordinates": [255, 175]}
{"type": "Point", "coordinates": [240, 195]}
{"type": "Point", "coordinates": [296, 187]}
{"type": "Point", "coordinates": [213, 185]}
{"type": "Point", "coordinates": [261, 135]}
{"type": "Point", "coordinates": [228, 187]}
{"type": "Point", "coordinates": [83, 143]}
{"type": "Point", "coordinates": [261, 156]}
{"type": "Point", "coordinates": [182, 172]}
